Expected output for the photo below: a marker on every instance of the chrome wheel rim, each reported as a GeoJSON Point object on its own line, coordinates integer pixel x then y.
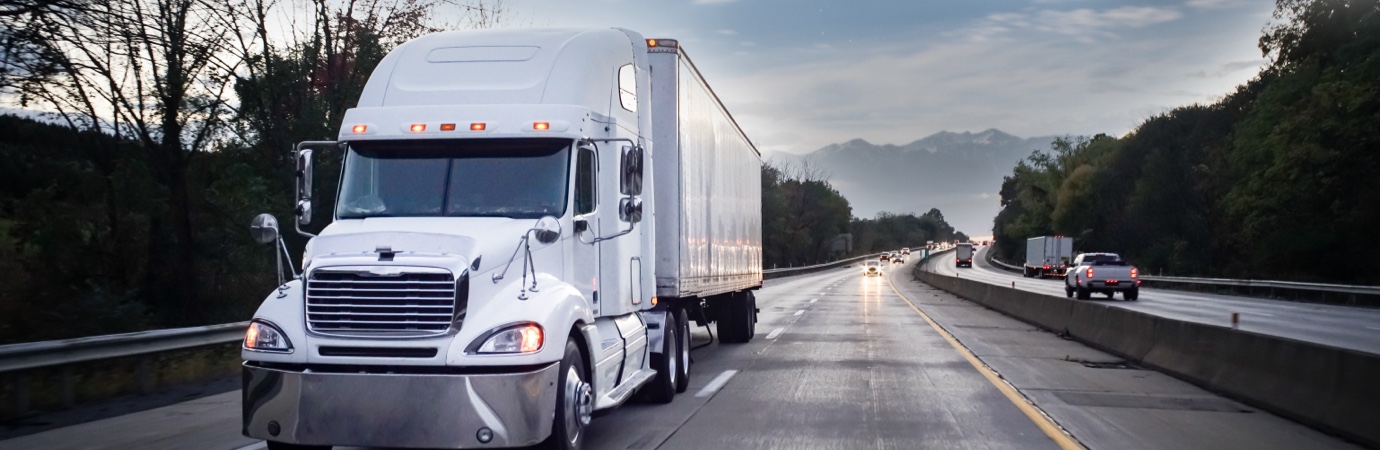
{"type": "Point", "coordinates": [685, 348]}
{"type": "Point", "coordinates": [673, 361]}
{"type": "Point", "coordinates": [579, 404]}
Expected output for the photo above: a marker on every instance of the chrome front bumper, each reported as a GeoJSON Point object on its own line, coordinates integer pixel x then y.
{"type": "Point", "coordinates": [399, 410]}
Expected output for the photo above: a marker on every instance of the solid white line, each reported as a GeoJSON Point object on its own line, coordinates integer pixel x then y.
{"type": "Point", "coordinates": [1373, 328]}
{"type": "Point", "coordinates": [800, 312]}
{"type": "Point", "coordinates": [1258, 313]}
{"type": "Point", "coordinates": [715, 384]}
{"type": "Point", "coordinates": [255, 446]}
{"type": "Point", "coordinates": [813, 300]}
{"type": "Point", "coordinates": [775, 333]}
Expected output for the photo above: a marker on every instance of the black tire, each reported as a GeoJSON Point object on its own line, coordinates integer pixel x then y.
{"type": "Point", "coordinates": [1082, 294]}
{"type": "Point", "coordinates": [683, 382]}
{"type": "Point", "coordinates": [568, 425]}
{"type": "Point", "coordinates": [1025, 272]}
{"type": "Point", "coordinates": [662, 389]}
{"type": "Point", "coordinates": [1068, 291]}
{"type": "Point", "coordinates": [737, 317]}
{"type": "Point", "coordinates": [286, 446]}
{"type": "Point", "coordinates": [1132, 295]}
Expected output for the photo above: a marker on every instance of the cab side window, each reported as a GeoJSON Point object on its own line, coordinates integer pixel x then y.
{"type": "Point", "coordinates": [627, 87]}
{"type": "Point", "coordinates": [586, 166]}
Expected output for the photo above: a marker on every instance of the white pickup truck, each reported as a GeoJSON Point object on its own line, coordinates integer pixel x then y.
{"type": "Point", "coordinates": [1106, 273]}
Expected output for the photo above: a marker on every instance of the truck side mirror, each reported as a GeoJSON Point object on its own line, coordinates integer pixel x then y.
{"type": "Point", "coordinates": [264, 228]}
{"type": "Point", "coordinates": [630, 209]}
{"type": "Point", "coordinates": [304, 179]}
{"type": "Point", "coordinates": [630, 172]}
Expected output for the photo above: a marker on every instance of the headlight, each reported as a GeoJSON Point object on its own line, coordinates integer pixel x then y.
{"type": "Point", "coordinates": [524, 338]}
{"type": "Point", "coordinates": [265, 337]}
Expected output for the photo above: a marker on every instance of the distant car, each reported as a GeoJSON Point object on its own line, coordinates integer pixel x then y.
{"type": "Point", "coordinates": [899, 258]}
{"type": "Point", "coordinates": [872, 267]}
{"type": "Point", "coordinates": [885, 257]}
{"type": "Point", "coordinates": [905, 251]}
{"type": "Point", "coordinates": [1104, 273]}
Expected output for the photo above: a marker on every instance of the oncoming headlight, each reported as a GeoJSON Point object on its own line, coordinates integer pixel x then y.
{"type": "Point", "coordinates": [521, 338]}
{"type": "Point", "coordinates": [262, 336]}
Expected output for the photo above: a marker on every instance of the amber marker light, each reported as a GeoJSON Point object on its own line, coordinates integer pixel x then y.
{"type": "Point", "coordinates": [418, 127]}
{"type": "Point", "coordinates": [541, 126]}
{"type": "Point", "coordinates": [651, 42]}
{"type": "Point", "coordinates": [477, 126]}
{"type": "Point", "coordinates": [447, 127]}
{"type": "Point", "coordinates": [357, 129]}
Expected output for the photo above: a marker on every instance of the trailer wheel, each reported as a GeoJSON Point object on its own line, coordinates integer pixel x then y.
{"type": "Point", "coordinates": [574, 403]}
{"type": "Point", "coordinates": [662, 389]}
{"type": "Point", "coordinates": [735, 317]}
{"type": "Point", "coordinates": [683, 320]}
{"type": "Point", "coordinates": [286, 446]}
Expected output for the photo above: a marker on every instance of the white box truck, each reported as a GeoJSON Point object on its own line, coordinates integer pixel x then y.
{"type": "Point", "coordinates": [1047, 256]}
{"type": "Point", "coordinates": [527, 222]}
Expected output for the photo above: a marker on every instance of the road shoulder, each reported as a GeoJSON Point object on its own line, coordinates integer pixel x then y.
{"type": "Point", "coordinates": [1100, 399]}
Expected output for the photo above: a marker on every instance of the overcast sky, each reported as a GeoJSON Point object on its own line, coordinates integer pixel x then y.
{"type": "Point", "coordinates": [801, 74]}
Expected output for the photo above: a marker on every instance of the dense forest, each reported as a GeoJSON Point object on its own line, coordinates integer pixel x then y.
{"type": "Point", "coordinates": [806, 221]}
{"type": "Point", "coordinates": [1273, 181]}
{"type": "Point", "coordinates": [127, 208]}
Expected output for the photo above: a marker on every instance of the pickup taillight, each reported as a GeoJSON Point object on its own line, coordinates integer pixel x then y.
{"type": "Point", "coordinates": [1089, 276]}
{"type": "Point", "coordinates": [1135, 273]}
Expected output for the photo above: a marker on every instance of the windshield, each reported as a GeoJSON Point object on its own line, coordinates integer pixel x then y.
{"type": "Point", "coordinates": [518, 178]}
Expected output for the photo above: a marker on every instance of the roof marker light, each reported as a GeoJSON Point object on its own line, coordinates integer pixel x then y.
{"type": "Point", "coordinates": [651, 42]}
{"type": "Point", "coordinates": [357, 129]}
{"type": "Point", "coordinates": [418, 127]}
{"type": "Point", "coordinates": [477, 126]}
{"type": "Point", "coordinates": [541, 126]}
{"type": "Point", "coordinates": [447, 127]}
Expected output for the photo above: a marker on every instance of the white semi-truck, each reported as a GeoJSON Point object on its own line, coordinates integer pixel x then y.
{"type": "Point", "coordinates": [1047, 256]}
{"type": "Point", "coordinates": [527, 223]}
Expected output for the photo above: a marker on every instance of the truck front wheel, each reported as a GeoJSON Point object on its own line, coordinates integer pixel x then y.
{"type": "Point", "coordinates": [574, 403]}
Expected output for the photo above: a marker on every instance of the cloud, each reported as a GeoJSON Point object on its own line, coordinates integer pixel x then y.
{"type": "Point", "coordinates": [1216, 4]}
{"type": "Point", "coordinates": [1083, 23]}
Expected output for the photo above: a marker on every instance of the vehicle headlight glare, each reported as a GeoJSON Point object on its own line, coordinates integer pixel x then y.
{"type": "Point", "coordinates": [525, 338]}
{"type": "Point", "coordinates": [263, 336]}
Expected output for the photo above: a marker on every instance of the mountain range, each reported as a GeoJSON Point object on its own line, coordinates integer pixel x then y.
{"type": "Point", "coordinates": [959, 173]}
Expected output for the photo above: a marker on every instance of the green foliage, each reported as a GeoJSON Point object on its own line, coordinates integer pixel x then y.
{"type": "Point", "coordinates": [1264, 183]}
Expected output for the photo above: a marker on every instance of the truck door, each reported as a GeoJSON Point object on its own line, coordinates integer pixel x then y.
{"type": "Point", "coordinates": [587, 224]}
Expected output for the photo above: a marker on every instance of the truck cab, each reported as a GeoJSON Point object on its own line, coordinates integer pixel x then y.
{"type": "Point", "coordinates": [490, 274]}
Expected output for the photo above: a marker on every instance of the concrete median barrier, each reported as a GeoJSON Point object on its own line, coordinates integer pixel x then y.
{"type": "Point", "coordinates": [1328, 388]}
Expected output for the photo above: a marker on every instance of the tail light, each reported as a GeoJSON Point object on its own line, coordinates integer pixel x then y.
{"type": "Point", "coordinates": [1135, 273]}
{"type": "Point", "coordinates": [1046, 266]}
{"type": "Point", "coordinates": [1089, 273]}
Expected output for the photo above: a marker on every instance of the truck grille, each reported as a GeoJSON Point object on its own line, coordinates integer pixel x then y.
{"type": "Point", "coordinates": [356, 302]}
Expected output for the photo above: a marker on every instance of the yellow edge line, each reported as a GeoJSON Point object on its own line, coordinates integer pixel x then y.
{"type": "Point", "coordinates": [1042, 420]}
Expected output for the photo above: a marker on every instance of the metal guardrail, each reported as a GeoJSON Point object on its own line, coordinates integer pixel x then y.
{"type": "Point", "coordinates": [1270, 284]}
{"type": "Point", "coordinates": [34, 355]}
{"type": "Point", "coordinates": [819, 266]}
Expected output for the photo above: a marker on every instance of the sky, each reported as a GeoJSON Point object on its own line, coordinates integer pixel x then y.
{"type": "Point", "coordinates": [801, 74]}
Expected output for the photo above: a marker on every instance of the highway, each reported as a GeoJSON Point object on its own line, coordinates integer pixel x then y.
{"type": "Point", "coordinates": [1333, 325]}
{"type": "Point", "coordinates": [846, 362]}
